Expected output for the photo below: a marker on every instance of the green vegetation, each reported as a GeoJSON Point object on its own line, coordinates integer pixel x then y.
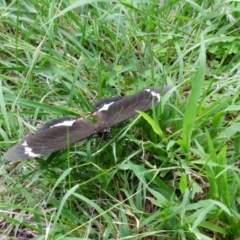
{"type": "Point", "coordinates": [170, 174]}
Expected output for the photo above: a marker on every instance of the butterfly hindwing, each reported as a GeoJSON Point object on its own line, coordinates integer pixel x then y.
{"type": "Point", "coordinates": [53, 136]}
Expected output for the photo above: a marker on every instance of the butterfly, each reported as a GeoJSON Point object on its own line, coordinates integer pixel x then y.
{"type": "Point", "coordinates": [59, 133]}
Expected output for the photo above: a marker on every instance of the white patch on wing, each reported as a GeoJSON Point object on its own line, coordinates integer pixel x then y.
{"type": "Point", "coordinates": [105, 107]}
{"type": "Point", "coordinates": [154, 94]}
{"type": "Point", "coordinates": [25, 144]}
{"type": "Point", "coordinates": [68, 123]}
{"type": "Point", "coordinates": [30, 153]}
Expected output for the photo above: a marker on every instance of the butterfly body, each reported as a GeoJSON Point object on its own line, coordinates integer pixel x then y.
{"type": "Point", "coordinates": [60, 133]}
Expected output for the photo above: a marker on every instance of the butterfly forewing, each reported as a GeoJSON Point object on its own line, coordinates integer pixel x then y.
{"type": "Point", "coordinates": [52, 137]}
{"type": "Point", "coordinates": [126, 107]}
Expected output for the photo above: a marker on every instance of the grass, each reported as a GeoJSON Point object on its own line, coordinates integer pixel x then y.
{"type": "Point", "coordinates": [170, 174]}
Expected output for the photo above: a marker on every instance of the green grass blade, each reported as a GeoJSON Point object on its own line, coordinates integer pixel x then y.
{"type": "Point", "coordinates": [192, 104]}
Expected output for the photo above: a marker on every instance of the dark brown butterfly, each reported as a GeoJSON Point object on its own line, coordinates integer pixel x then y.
{"type": "Point", "coordinates": [57, 134]}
